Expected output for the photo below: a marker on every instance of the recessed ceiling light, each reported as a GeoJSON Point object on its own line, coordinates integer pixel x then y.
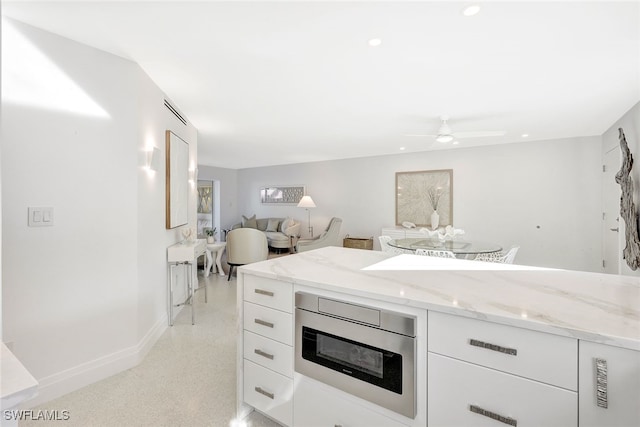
{"type": "Point", "coordinates": [471, 10]}
{"type": "Point", "coordinates": [402, 148]}
{"type": "Point", "coordinates": [455, 142]}
{"type": "Point", "coordinates": [375, 42]}
{"type": "Point", "coordinates": [525, 135]}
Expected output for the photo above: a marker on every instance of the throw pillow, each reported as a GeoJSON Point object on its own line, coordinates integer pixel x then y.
{"type": "Point", "coordinates": [272, 225]}
{"type": "Point", "coordinates": [286, 224]}
{"type": "Point", "coordinates": [249, 222]}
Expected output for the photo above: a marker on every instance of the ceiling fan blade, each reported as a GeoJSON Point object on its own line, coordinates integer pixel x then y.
{"type": "Point", "coordinates": [479, 134]}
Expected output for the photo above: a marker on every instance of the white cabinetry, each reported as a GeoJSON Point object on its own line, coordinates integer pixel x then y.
{"type": "Point", "coordinates": [464, 394]}
{"type": "Point", "coordinates": [481, 373]}
{"type": "Point", "coordinates": [477, 373]}
{"type": "Point", "coordinates": [318, 405]}
{"type": "Point", "coordinates": [267, 347]}
{"type": "Point", "coordinates": [609, 386]}
{"type": "Point", "coordinates": [535, 355]}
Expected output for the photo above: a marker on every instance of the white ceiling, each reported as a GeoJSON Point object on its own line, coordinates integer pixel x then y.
{"type": "Point", "coordinates": [269, 83]}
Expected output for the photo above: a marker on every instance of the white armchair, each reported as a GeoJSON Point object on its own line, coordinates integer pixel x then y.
{"type": "Point", "coordinates": [244, 246]}
{"type": "Point", "coordinates": [329, 237]}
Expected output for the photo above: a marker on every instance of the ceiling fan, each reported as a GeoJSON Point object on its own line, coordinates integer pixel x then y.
{"type": "Point", "coordinates": [445, 134]}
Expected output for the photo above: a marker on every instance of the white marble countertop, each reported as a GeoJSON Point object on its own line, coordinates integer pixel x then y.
{"type": "Point", "coordinates": [595, 307]}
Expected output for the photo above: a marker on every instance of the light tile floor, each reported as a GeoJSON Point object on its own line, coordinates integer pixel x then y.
{"type": "Point", "coordinates": [187, 379]}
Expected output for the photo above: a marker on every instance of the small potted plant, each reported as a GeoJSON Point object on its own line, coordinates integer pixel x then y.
{"type": "Point", "coordinates": [210, 233]}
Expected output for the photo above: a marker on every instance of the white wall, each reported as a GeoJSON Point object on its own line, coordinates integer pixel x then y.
{"type": "Point", "coordinates": [543, 196]}
{"type": "Point", "coordinates": [85, 298]}
{"type": "Point", "coordinates": [630, 123]}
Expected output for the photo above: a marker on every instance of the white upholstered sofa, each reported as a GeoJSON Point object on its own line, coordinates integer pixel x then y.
{"type": "Point", "coordinates": [278, 231]}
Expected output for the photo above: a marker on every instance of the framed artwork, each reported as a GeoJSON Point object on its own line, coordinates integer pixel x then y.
{"type": "Point", "coordinates": [420, 193]}
{"type": "Point", "coordinates": [205, 196]}
{"type": "Point", "coordinates": [177, 180]}
{"type": "Point", "coordinates": [282, 194]}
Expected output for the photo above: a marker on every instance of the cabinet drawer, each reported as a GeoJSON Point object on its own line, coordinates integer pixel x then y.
{"type": "Point", "coordinates": [318, 405]}
{"type": "Point", "coordinates": [542, 357]}
{"type": "Point", "coordinates": [268, 322]}
{"type": "Point", "coordinates": [463, 394]}
{"type": "Point", "coordinates": [609, 386]}
{"type": "Point", "coordinates": [268, 292]}
{"type": "Point", "coordinates": [268, 353]}
{"type": "Point", "coordinates": [268, 392]}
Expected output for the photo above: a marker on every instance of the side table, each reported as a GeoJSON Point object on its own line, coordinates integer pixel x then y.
{"type": "Point", "coordinates": [217, 248]}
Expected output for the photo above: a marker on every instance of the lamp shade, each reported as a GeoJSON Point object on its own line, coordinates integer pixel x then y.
{"type": "Point", "coordinates": [306, 202]}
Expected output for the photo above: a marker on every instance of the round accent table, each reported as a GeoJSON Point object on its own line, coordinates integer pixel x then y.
{"type": "Point", "coordinates": [214, 248]}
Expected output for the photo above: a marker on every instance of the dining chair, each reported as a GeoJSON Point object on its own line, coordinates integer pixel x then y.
{"type": "Point", "coordinates": [510, 256]}
{"type": "Point", "coordinates": [385, 247]}
{"type": "Point", "coordinates": [490, 257]}
{"type": "Point", "coordinates": [436, 253]}
{"type": "Point", "coordinates": [500, 257]}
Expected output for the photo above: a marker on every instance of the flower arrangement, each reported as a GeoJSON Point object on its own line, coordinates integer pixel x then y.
{"type": "Point", "coordinates": [434, 193]}
{"type": "Point", "coordinates": [210, 232]}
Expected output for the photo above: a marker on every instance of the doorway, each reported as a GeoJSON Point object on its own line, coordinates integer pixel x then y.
{"type": "Point", "coordinates": [208, 207]}
{"type": "Point", "coordinates": [611, 226]}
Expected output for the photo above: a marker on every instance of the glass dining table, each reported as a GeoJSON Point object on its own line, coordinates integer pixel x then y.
{"type": "Point", "coordinates": [461, 248]}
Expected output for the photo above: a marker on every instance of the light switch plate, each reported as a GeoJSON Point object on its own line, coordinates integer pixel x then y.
{"type": "Point", "coordinates": [40, 216]}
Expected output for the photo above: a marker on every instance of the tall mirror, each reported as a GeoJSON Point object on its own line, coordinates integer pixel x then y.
{"type": "Point", "coordinates": [177, 180]}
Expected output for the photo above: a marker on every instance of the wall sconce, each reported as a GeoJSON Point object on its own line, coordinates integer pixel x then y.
{"type": "Point", "coordinates": [153, 159]}
{"type": "Point", "coordinates": [193, 175]}
{"type": "Point", "coordinates": [307, 203]}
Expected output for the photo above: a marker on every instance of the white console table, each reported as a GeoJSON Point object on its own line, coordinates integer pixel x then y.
{"type": "Point", "coordinates": [398, 232]}
{"type": "Point", "coordinates": [185, 253]}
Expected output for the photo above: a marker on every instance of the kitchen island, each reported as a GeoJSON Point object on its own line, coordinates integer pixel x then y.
{"type": "Point", "coordinates": [572, 329]}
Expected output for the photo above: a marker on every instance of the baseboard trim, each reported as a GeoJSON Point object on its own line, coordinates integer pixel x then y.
{"type": "Point", "coordinates": [69, 380]}
{"type": "Point", "coordinates": [148, 341]}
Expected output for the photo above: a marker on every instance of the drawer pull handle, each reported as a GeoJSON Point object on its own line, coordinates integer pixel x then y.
{"type": "Point", "coordinates": [263, 323]}
{"type": "Point", "coordinates": [601, 384]}
{"type": "Point", "coordinates": [263, 292]}
{"type": "Point", "coordinates": [494, 347]}
{"type": "Point", "coordinates": [263, 354]}
{"type": "Point", "coordinates": [264, 392]}
{"type": "Point", "coordinates": [506, 420]}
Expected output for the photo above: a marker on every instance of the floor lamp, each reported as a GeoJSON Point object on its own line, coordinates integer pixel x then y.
{"type": "Point", "coordinates": [307, 203]}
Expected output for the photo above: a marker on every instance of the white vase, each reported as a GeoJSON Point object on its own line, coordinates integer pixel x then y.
{"type": "Point", "coordinates": [435, 220]}
{"type": "Point", "coordinates": [210, 239]}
